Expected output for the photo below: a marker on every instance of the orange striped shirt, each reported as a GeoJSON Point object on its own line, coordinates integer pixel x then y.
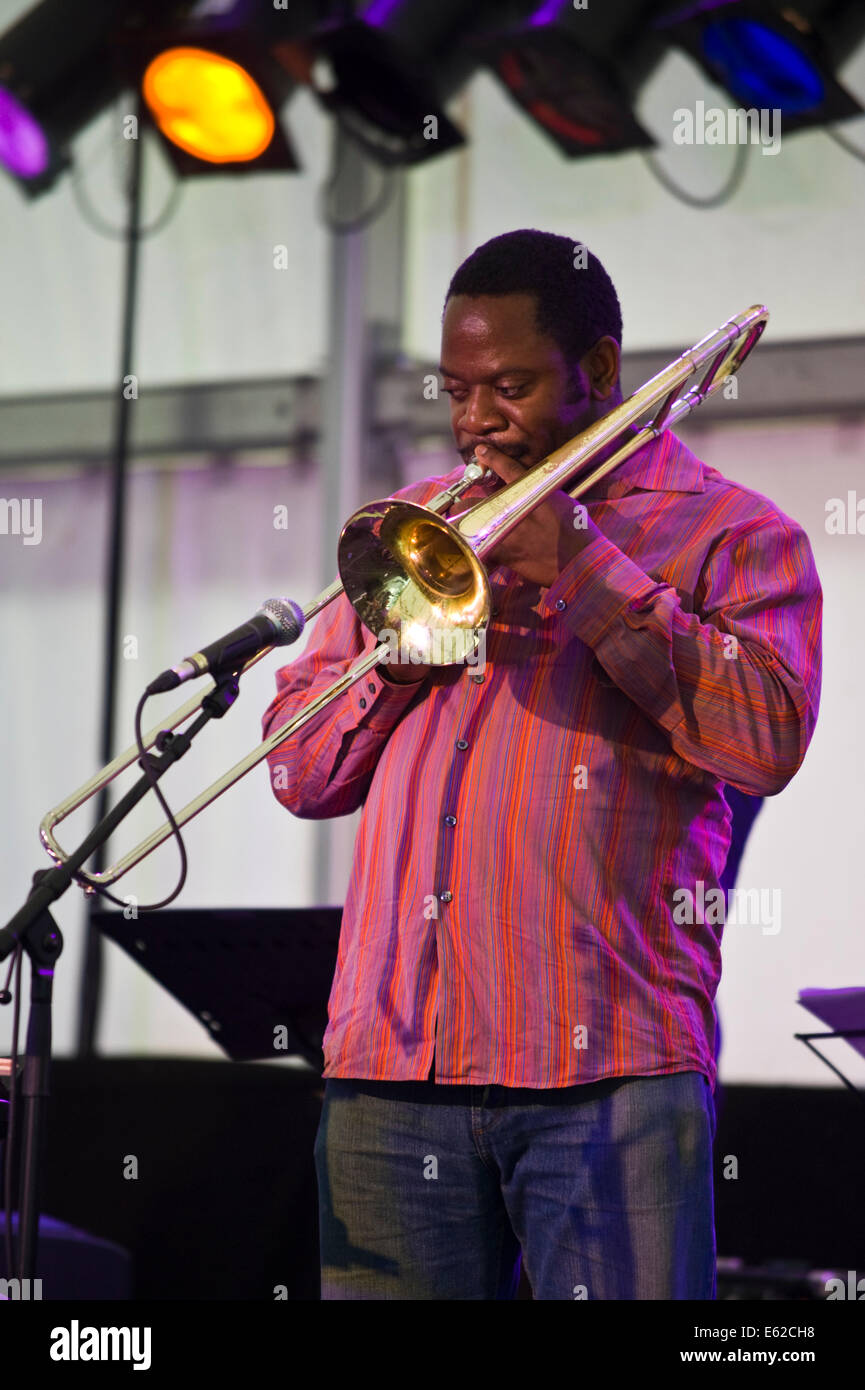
{"type": "Point", "coordinates": [531, 830]}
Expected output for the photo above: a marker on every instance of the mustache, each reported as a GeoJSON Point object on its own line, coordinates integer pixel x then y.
{"type": "Point", "coordinates": [515, 451]}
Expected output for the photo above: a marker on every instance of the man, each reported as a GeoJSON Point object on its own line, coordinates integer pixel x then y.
{"type": "Point", "coordinates": [519, 1054]}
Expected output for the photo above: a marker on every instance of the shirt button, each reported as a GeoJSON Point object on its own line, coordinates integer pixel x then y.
{"type": "Point", "coordinates": [362, 703]}
{"type": "Point", "coordinates": [371, 688]}
{"type": "Point", "coordinates": [462, 743]}
{"type": "Point", "coordinates": [450, 820]}
{"type": "Point", "coordinates": [477, 679]}
{"type": "Point", "coordinates": [446, 896]}
{"type": "Point", "coordinates": [561, 605]}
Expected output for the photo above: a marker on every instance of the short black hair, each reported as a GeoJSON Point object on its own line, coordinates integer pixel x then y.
{"type": "Point", "coordinates": [576, 304]}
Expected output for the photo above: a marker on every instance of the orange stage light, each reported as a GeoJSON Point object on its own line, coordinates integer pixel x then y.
{"type": "Point", "coordinates": [208, 105]}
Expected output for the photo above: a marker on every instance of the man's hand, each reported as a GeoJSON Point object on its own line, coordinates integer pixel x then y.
{"type": "Point", "coordinates": [545, 541]}
{"type": "Point", "coordinates": [404, 672]}
{"type": "Point", "coordinates": [538, 548]}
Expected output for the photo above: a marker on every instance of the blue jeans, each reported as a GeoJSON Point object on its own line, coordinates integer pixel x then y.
{"type": "Point", "coordinates": [433, 1191]}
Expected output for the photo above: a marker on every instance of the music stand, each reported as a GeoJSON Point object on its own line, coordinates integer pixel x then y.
{"type": "Point", "coordinates": [257, 979]}
{"type": "Point", "coordinates": [844, 1011]}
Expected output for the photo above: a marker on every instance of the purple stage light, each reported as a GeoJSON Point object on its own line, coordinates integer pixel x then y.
{"type": "Point", "coordinates": [379, 11]}
{"type": "Point", "coordinates": [550, 10]}
{"type": "Point", "coordinates": [23, 147]}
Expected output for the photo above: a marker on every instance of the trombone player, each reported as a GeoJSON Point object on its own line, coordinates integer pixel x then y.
{"type": "Point", "coordinates": [519, 1059]}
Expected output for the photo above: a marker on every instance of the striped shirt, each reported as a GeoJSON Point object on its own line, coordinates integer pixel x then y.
{"type": "Point", "coordinates": [533, 832]}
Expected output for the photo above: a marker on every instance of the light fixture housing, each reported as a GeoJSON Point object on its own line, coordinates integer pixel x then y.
{"type": "Point", "coordinates": [381, 96]}
{"type": "Point", "coordinates": [575, 72]}
{"type": "Point", "coordinates": [773, 56]}
{"type": "Point", "coordinates": [58, 72]}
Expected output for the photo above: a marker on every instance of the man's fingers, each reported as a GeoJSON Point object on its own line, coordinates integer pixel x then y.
{"type": "Point", "coordinates": [501, 464]}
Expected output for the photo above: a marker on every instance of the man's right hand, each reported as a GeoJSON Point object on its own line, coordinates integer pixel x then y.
{"type": "Point", "coordinates": [404, 672]}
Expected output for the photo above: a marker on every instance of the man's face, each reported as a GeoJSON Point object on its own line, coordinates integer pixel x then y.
{"type": "Point", "coordinates": [509, 384]}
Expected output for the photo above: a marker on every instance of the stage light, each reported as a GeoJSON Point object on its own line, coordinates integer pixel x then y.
{"type": "Point", "coordinates": [23, 144]}
{"type": "Point", "coordinates": [57, 73]}
{"type": "Point", "coordinates": [208, 105]}
{"type": "Point", "coordinates": [762, 66]}
{"type": "Point", "coordinates": [212, 93]}
{"type": "Point", "coordinates": [386, 74]}
{"type": "Point", "coordinates": [61, 65]}
{"type": "Point", "coordinates": [380, 97]}
{"type": "Point", "coordinates": [574, 72]}
{"type": "Point", "coordinates": [774, 56]}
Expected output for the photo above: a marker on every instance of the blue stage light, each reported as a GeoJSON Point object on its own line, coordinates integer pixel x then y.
{"type": "Point", "coordinates": [762, 67]}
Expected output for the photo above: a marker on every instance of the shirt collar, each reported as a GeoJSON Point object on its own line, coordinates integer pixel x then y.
{"type": "Point", "coordinates": [664, 464]}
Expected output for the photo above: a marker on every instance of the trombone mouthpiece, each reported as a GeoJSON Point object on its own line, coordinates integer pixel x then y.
{"type": "Point", "coordinates": [475, 472]}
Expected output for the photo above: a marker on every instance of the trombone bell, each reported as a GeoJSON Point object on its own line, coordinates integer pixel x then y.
{"type": "Point", "coordinates": [408, 573]}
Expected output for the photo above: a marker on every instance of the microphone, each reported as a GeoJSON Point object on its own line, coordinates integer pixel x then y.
{"type": "Point", "coordinates": [278, 622]}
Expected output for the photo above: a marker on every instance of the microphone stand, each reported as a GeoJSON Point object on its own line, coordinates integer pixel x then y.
{"type": "Point", "coordinates": [38, 934]}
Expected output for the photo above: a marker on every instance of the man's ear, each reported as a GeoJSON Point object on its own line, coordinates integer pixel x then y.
{"type": "Point", "coordinates": [601, 364]}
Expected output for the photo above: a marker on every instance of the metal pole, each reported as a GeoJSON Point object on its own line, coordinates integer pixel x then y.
{"type": "Point", "coordinates": [91, 975]}
{"type": "Point", "coordinates": [364, 317]}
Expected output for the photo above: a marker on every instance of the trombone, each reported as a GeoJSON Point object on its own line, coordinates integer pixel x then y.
{"type": "Point", "coordinates": [404, 567]}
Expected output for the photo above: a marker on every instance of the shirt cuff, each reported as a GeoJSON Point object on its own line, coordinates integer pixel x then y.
{"type": "Point", "coordinates": [376, 702]}
{"type": "Point", "coordinates": [596, 587]}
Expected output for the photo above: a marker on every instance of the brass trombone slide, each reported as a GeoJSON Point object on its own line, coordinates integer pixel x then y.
{"type": "Point", "coordinates": [434, 573]}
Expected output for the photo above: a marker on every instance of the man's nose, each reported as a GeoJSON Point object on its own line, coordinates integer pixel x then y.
{"type": "Point", "coordinates": [481, 414]}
